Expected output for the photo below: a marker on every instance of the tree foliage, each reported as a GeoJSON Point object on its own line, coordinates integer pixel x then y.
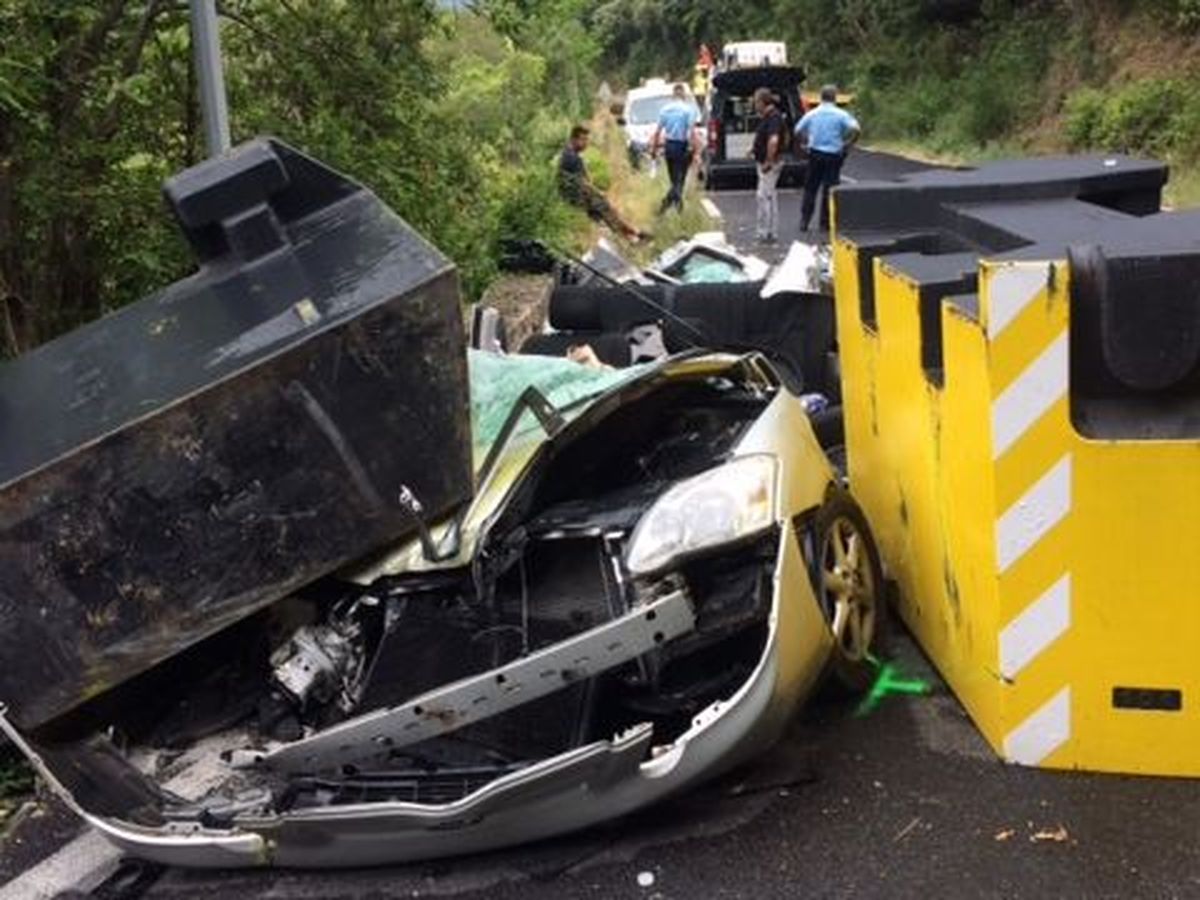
{"type": "Point", "coordinates": [452, 119]}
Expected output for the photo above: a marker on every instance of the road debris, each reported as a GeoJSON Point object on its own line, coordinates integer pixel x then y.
{"type": "Point", "coordinates": [645, 879]}
{"type": "Point", "coordinates": [706, 258]}
{"type": "Point", "coordinates": [1005, 834]}
{"type": "Point", "coordinates": [1058, 835]}
{"type": "Point", "coordinates": [906, 830]}
{"type": "Point", "coordinates": [783, 788]}
{"type": "Point", "coordinates": [807, 268]}
{"type": "Point", "coordinates": [889, 682]}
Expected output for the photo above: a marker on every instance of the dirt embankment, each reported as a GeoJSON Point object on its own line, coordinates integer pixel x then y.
{"type": "Point", "coordinates": [522, 302]}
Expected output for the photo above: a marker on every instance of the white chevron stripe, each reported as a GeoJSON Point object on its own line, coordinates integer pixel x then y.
{"type": "Point", "coordinates": [1037, 627]}
{"type": "Point", "coordinates": [1013, 288]}
{"type": "Point", "coordinates": [1028, 398]}
{"type": "Point", "coordinates": [1042, 733]}
{"type": "Point", "coordinates": [1027, 521]}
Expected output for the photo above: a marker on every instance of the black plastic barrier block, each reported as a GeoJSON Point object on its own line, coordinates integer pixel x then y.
{"type": "Point", "coordinates": [192, 458]}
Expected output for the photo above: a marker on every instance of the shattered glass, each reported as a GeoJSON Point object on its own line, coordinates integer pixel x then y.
{"type": "Point", "coordinates": [498, 381]}
{"type": "Point", "coordinates": [699, 268]}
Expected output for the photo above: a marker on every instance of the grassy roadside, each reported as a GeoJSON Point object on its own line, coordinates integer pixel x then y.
{"type": "Point", "coordinates": [1036, 79]}
{"type": "Point", "coordinates": [919, 152]}
{"type": "Point", "coordinates": [1183, 190]}
{"type": "Point", "coordinates": [637, 195]}
{"type": "Point", "coordinates": [16, 783]}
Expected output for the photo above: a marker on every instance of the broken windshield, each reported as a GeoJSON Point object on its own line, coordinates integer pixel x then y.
{"type": "Point", "coordinates": [497, 383]}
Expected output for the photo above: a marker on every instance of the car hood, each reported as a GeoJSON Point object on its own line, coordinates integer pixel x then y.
{"type": "Point", "coordinates": [497, 381]}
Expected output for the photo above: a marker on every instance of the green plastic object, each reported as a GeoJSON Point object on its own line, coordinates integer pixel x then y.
{"type": "Point", "coordinates": [890, 682]}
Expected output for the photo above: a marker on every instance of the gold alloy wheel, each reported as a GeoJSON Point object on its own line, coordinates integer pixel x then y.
{"type": "Point", "coordinates": [848, 588]}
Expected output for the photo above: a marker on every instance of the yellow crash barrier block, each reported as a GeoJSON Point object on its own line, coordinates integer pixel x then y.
{"type": "Point", "coordinates": [1020, 353]}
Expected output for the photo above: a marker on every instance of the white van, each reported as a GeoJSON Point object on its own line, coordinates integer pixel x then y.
{"type": "Point", "coordinates": [640, 115]}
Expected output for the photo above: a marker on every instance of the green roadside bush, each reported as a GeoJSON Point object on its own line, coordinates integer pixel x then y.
{"type": "Point", "coordinates": [598, 168]}
{"type": "Point", "coordinates": [1153, 116]}
{"type": "Point", "coordinates": [1083, 118]}
{"type": "Point", "coordinates": [1188, 14]}
{"type": "Point", "coordinates": [952, 89]}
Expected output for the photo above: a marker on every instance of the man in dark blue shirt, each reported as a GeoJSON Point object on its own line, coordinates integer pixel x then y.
{"type": "Point", "coordinates": [768, 151]}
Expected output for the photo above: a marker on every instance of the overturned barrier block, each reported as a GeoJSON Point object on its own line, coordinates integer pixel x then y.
{"type": "Point", "coordinates": [188, 460]}
{"type": "Point", "coordinates": [1020, 349]}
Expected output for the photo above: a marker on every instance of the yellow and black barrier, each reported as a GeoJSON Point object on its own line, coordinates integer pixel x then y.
{"type": "Point", "coordinates": [1020, 352]}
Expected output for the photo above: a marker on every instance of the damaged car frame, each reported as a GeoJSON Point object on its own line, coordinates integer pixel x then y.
{"type": "Point", "coordinates": [656, 567]}
{"type": "Point", "coordinates": [641, 596]}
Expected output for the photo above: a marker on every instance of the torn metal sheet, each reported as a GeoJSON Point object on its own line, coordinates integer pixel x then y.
{"type": "Point", "coordinates": [807, 269]}
{"type": "Point", "coordinates": [606, 259]}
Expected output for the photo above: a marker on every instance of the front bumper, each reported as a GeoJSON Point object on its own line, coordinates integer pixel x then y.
{"type": "Point", "coordinates": [564, 793]}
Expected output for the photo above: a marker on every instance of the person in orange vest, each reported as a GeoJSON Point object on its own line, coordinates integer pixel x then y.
{"type": "Point", "coordinates": [702, 74]}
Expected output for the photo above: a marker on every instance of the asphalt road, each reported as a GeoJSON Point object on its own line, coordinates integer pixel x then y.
{"type": "Point", "coordinates": [737, 207]}
{"type": "Point", "coordinates": [903, 800]}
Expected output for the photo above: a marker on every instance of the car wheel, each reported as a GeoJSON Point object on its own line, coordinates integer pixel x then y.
{"type": "Point", "coordinates": [851, 589]}
{"type": "Point", "coordinates": [829, 426]}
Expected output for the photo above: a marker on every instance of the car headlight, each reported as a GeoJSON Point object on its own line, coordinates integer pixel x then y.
{"type": "Point", "coordinates": [720, 506]}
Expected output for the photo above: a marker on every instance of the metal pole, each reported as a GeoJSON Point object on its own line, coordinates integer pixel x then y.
{"type": "Point", "coordinates": [206, 51]}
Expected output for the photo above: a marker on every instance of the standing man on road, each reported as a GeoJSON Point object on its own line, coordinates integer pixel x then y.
{"type": "Point", "coordinates": [828, 132]}
{"type": "Point", "coordinates": [676, 135]}
{"type": "Point", "coordinates": [768, 150]}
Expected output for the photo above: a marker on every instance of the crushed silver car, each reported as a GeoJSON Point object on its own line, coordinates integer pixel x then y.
{"type": "Point", "coordinates": [654, 573]}
{"type": "Point", "coordinates": [653, 567]}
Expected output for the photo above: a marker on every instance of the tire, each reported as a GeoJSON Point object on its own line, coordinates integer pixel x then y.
{"type": "Point", "coordinates": [850, 586]}
{"type": "Point", "coordinates": [829, 425]}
